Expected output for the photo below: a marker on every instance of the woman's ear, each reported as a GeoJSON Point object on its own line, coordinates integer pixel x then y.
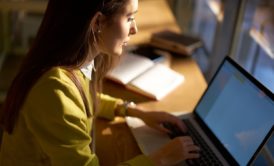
{"type": "Point", "coordinates": [97, 22]}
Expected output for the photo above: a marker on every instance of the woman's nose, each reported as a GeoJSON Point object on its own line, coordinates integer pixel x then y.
{"type": "Point", "coordinates": [133, 28]}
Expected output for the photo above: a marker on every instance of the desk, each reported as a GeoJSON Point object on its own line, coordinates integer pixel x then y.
{"type": "Point", "coordinates": [114, 142]}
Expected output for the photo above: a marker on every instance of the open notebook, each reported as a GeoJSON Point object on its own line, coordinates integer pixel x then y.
{"type": "Point", "coordinates": [233, 119]}
{"type": "Point", "coordinates": [142, 75]}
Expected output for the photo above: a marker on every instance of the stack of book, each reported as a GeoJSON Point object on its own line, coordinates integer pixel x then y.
{"type": "Point", "coordinates": [176, 42]}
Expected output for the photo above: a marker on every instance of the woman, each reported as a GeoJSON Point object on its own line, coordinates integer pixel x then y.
{"type": "Point", "coordinates": [49, 110]}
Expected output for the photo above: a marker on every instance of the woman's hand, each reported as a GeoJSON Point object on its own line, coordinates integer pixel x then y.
{"type": "Point", "coordinates": [177, 150]}
{"type": "Point", "coordinates": [156, 119]}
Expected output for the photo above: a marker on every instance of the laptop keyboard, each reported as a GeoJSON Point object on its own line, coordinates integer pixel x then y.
{"type": "Point", "coordinates": [207, 157]}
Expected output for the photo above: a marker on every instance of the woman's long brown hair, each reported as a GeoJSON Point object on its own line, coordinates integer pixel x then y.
{"type": "Point", "coordinates": [64, 39]}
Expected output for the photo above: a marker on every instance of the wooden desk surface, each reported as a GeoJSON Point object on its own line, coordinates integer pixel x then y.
{"type": "Point", "coordinates": [114, 141]}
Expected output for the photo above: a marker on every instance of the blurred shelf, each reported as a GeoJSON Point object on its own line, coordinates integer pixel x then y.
{"type": "Point", "coordinates": [2, 59]}
{"type": "Point", "coordinates": [2, 97]}
{"type": "Point", "coordinates": [33, 6]}
{"type": "Point", "coordinates": [8, 72]}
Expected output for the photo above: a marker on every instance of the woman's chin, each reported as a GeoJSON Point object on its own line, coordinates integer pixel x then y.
{"type": "Point", "coordinates": [113, 53]}
{"type": "Point", "coordinates": [118, 52]}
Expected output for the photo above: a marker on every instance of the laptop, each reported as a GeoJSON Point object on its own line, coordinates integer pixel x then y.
{"type": "Point", "coordinates": [234, 118]}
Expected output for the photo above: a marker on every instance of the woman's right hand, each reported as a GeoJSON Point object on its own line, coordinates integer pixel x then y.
{"type": "Point", "coordinates": [178, 149]}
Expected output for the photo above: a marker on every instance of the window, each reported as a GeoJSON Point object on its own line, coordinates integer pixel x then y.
{"type": "Point", "coordinates": [254, 44]}
{"type": "Point", "coordinates": [208, 20]}
{"type": "Point", "coordinates": [242, 29]}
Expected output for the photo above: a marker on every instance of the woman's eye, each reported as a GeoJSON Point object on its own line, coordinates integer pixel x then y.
{"type": "Point", "coordinates": [131, 19]}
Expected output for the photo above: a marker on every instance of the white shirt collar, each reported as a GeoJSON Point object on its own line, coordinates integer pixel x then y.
{"type": "Point", "coordinates": [87, 69]}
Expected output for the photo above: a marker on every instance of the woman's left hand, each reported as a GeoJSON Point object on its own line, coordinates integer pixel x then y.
{"type": "Point", "coordinates": [156, 119]}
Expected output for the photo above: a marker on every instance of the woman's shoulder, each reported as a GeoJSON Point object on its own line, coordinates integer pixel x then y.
{"type": "Point", "coordinates": [54, 73]}
{"type": "Point", "coordinates": [54, 88]}
{"type": "Point", "coordinates": [54, 95]}
{"type": "Point", "coordinates": [55, 78]}
{"type": "Point", "coordinates": [58, 74]}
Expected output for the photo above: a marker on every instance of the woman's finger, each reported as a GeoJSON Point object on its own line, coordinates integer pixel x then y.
{"type": "Point", "coordinates": [192, 155]}
{"type": "Point", "coordinates": [177, 121]}
{"type": "Point", "coordinates": [161, 128]}
{"type": "Point", "coordinates": [193, 148]}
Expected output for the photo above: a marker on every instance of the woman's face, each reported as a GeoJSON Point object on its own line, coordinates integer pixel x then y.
{"type": "Point", "coordinates": [115, 34]}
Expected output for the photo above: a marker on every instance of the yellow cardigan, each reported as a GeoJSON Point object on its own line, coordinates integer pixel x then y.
{"type": "Point", "coordinates": [53, 128]}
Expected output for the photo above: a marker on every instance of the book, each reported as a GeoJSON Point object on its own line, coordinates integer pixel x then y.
{"type": "Point", "coordinates": [155, 54]}
{"type": "Point", "coordinates": [175, 42]}
{"type": "Point", "coordinates": [142, 75]}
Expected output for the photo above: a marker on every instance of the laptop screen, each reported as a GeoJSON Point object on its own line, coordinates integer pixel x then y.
{"type": "Point", "coordinates": [237, 111]}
